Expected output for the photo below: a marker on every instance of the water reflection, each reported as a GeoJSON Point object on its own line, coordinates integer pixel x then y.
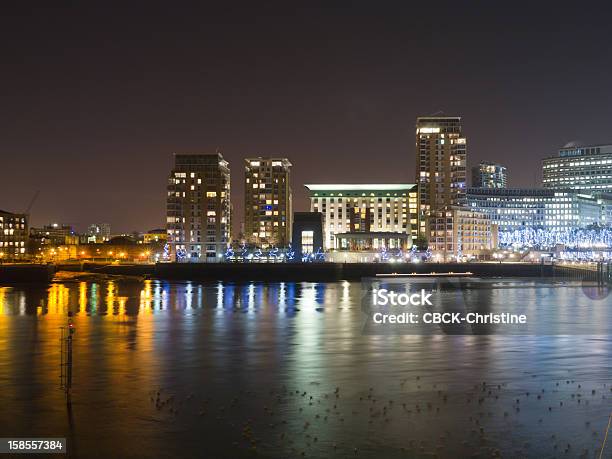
{"type": "Point", "coordinates": [554, 308]}
{"type": "Point", "coordinates": [150, 296]}
{"type": "Point", "coordinates": [218, 342]}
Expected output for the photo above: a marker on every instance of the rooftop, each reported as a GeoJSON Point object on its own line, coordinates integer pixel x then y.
{"type": "Point", "coordinates": [9, 213]}
{"type": "Point", "coordinates": [360, 187]}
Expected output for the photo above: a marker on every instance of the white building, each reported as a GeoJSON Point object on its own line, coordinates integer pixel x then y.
{"type": "Point", "coordinates": [366, 216]}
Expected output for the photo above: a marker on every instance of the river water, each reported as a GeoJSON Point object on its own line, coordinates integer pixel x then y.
{"type": "Point", "coordinates": [285, 370]}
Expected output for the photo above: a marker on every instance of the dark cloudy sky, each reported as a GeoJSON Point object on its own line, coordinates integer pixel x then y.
{"type": "Point", "coordinates": [95, 99]}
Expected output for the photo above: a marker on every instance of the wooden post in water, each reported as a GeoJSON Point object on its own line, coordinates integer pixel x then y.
{"type": "Point", "coordinates": [66, 359]}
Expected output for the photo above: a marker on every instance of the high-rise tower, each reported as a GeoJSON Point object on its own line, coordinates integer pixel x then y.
{"type": "Point", "coordinates": [440, 163]}
{"type": "Point", "coordinates": [267, 201]}
{"type": "Point", "coordinates": [198, 207]}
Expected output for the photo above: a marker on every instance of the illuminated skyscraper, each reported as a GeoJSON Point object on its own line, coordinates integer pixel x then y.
{"type": "Point", "coordinates": [440, 164]}
{"type": "Point", "coordinates": [267, 201]}
{"type": "Point", "coordinates": [198, 207]}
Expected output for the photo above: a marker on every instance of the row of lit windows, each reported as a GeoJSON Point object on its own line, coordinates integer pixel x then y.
{"type": "Point", "coordinates": [12, 243]}
{"type": "Point", "coordinates": [372, 195]}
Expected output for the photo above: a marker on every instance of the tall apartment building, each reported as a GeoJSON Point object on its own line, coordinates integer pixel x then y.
{"type": "Point", "coordinates": [198, 207]}
{"type": "Point", "coordinates": [13, 236]}
{"type": "Point", "coordinates": [489, 175]}
{"type": "Point", "coordinates": [268, 209]}
{"type": "Point", "coordinates": [586, 168]}
{"type": "Point", "coordinates": [440, 163]}
{"type": "Point", "coordinates": [375, 215]}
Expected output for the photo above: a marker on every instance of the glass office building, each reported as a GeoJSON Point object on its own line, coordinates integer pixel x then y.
{"type": "Point", "coordinates": [586, 168]}
{"type": "Point", "coordinates": [514, 209]}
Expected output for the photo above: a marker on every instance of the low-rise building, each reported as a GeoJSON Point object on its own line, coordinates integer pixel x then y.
{"type": "Point", "coordinates": [458, 234]}
{"type": "Point", "coordinates": [307, 236]}
{"type": "Point", "coordinates": [55, 234]}
{"type": "Point", "coordinates": [122, 249]}
{"type": "Point", "coordinates": [155, 235]}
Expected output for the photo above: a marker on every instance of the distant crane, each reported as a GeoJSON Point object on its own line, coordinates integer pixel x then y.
{"type": "Point", "coordinates": [32, 201]}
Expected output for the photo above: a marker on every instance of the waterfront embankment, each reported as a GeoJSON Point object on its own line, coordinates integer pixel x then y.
{"type": "Point", "coordinates": [290, 272]}
{"type": "Point", "coordinates": [315, 272]}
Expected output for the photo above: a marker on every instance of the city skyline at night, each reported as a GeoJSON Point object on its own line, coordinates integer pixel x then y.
{"type": "Point", "coordinates": [322, 230]}
{"type": "Point", "coordinates": [315, 84]}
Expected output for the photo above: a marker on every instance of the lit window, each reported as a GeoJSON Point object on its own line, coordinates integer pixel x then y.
{"type": "Point", "coordinates": [307, 242]}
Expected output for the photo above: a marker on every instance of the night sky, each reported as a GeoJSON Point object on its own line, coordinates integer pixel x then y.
{"type": "Point", "coordinates": [94, 100]}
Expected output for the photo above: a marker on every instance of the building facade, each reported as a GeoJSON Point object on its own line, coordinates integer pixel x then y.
{"type": "Point", "coordinates": [515, 209]}
{"type": "Point", "coordinates": [458, 234]}
{"type": "Point", "coordinates": [489, 175]}
{"type": "Point", "coordinates": [440, 163]}
{"type": "Point", "coordinates": [198, 208]}
{"type": "Point", "coordinates": [366, 214]}
{"type": "Point", "coordinates": [155, 235]}
{"type": "Point", "coordinates": [55, 234]}
{"type": "Point", "coordinates": [98, 233]}
{"type": "Point", "coordinates": [13, 236]}
{"type": "Point", "coordinates": [307, 234]}
{"type": "Point", "coordinates": [268, 201]}
{"type": "Point", "coordinates": [587, 168]}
